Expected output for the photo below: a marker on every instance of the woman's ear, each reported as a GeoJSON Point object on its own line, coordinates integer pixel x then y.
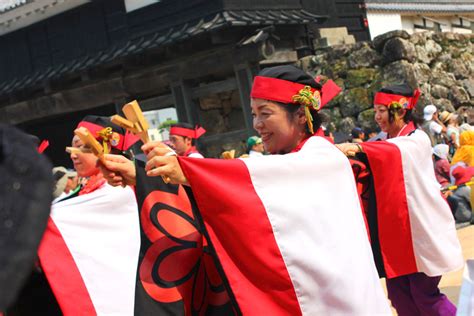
{"type": "Point", "coordinates": [300, 116]}
{"type": "Point", "coordinates": [402, 113]}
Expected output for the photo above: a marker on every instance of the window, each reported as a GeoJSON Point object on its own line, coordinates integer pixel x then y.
{"type": "Point", "coordinates": [159, 121]}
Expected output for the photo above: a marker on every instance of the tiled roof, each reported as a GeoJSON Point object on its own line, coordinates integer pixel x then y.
{"type": "Point", "coordinates": [421, 1]}
{"type": "Point", "coordinates": [421, 6]}
{"type": "Point", "coordinates": [163, 38]}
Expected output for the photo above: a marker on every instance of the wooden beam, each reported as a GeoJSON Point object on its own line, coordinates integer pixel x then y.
{"type": "Point", "coordinates": [178, 97]}
{"type": "Point", "coordinates": [67, 101]}
{"type": "Point", "coordinates": [159, 102]}
{"type": "Point", "coordinates": [214, 87]}
{"type": "Point", "coordinates": [244, 74]}
{"type": "Point", "coordinates": [189, 104]}
{"type": "Point", "coordinates": [139, 83]}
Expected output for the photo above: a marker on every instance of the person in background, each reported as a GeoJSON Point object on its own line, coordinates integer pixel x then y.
{"type": "Point", "coordinates": [432, 125]}
{"type": "Point", "coordinates": [441, 164]}
{"type": "Point", "coordinates": [255, 146]}
{"type": "Point", "coordinates": [371, 133]}
{"type": "Point", "coordinates": [65, 181]}
{"type": "Point", "coordinates": [411, 226]}
{"type": "Point", "coordinates": [72, 181]}
{"type": "Point", "coordinates": [462, 194]}
{"type": "Point", "coordinates": [358, 135]}
{"type": "Point", "coordinates": [442, 172]}
{"type": "Point", "coordinates": [465, 127]}
{"type": "Point", "coordinates": [183, 138]}
{"type": "Point", "coordinates": [465, 152]}
{"type": "Point", "coordinates": [452, 129]}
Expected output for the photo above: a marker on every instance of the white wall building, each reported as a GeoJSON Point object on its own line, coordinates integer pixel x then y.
{"type": "Point", "coordinates": [418, 16]}
{"type": "Point", "coordinates": [16, 14]}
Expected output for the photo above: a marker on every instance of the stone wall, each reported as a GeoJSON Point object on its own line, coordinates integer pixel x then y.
{"type": "Point", "coordinates": [440, 64]}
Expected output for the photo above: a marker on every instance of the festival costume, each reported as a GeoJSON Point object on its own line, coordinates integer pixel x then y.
{"type": "Point", "coordinates": [89, 252]}
{"type": "Point", "coordinates": [193, 153]}
{"type": "Point", "coordinates": [83, 233]}
{"type": "Point", "coordinates": [412, 229]}
{"type": "Point", "coordinates": [279, 242]}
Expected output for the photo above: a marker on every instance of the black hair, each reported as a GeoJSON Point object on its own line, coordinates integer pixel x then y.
{"type": "Point", "coordinates": [403, 90]}
{"type": "Point", "coordinates": [294, 74]}
{"type": "Point", "coordinates": [292, 108]}
{"type": "Point", "coordinates": [399, 89]}
{"type": "Point", "coordinates": [290, 73]}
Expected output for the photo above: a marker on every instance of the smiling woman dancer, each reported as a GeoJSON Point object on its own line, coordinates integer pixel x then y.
{"type": "Point", "coordinates": [285, 238]}
{"type": "Point", "coordinates": [90, 248]}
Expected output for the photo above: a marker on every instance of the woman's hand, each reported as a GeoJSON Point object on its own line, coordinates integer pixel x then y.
{"type": "Point", "coordinates": [162, 161]}
{"type": "Point", "coordinates": [118, 170]}
{"type": "Point", "coordinates": [349, 149]}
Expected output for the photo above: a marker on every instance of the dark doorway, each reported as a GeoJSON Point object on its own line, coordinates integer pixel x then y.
{"type": "Point", "coordinates": [58, 130]}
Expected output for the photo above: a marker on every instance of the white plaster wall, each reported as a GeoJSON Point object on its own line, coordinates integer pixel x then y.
{"type": "Point", "coordinates": [380, 23]}
{"type": "Point", "coordinates": [131, 5]}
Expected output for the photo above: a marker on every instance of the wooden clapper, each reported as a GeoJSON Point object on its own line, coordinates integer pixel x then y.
{"type": "Point", "coordinates": [135, 123]}
{"type": "Point", "coordinates": [91, 144]}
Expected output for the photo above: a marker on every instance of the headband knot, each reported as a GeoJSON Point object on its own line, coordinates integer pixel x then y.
{"type": "Point", "coordinates": [194, 133]}
{"type": "Point", "coordinates": [309, 99]}
{"type": "Point", "coordinates": [106, 135]}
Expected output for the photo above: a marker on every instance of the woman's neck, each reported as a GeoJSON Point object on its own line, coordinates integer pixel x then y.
{"type": "Point", "coordinates": [300, 142]}
{"type": "Point", "coordinates": [396, 128]}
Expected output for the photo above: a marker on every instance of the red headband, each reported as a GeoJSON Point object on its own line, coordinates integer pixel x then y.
{"type": "Point", "coordinates": [195, 133]}
{"type": "Point", "coordinates": [387, 99]}
{"type": "Point", "coordinates": [273, 89]}
{"type": "Point", "coordinates": [42, 147]}
{"type": "Point", "coordinates": [280, 90]}
{"type": "Point", "coordinates": [123, 142]}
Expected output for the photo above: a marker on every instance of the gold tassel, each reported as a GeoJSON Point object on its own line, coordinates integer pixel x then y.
{"type": "Point", "coordinates": [309, 99]}
{"type": "Point", "coordinates": [309, 119]}
{"type": "Point", "coordinates": [106, 135]}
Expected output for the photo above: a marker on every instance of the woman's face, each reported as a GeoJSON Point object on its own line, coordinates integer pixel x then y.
{"type": "Point", "coordinates": [382, 119]}
{"type": "Point", "coordinates": [281, 131]}
{"type": "Point", "coordinates": [84, 163]}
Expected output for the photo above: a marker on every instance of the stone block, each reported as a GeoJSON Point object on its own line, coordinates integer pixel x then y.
{"type": "Point", "coordinates": [359, 77]}
{"type": "Point", "coordinates": [349, 39]}
{"type": "Point", "coordinates": [364, 57]}
{"type": "Point", "coordinates": [468, 85]}
{"type": "Point", "coordinates": [379, 41]}
{"type": "Point", "coordinates": [422, 72]}
{"type": "Point", "coordinates": [439, 92]}
{"type": "Point", "coordinates": [340, 32]}
{"type": "Point", "coordinates": [458, 96]}
{"type": "Point", "coordinates": [398, 49]}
